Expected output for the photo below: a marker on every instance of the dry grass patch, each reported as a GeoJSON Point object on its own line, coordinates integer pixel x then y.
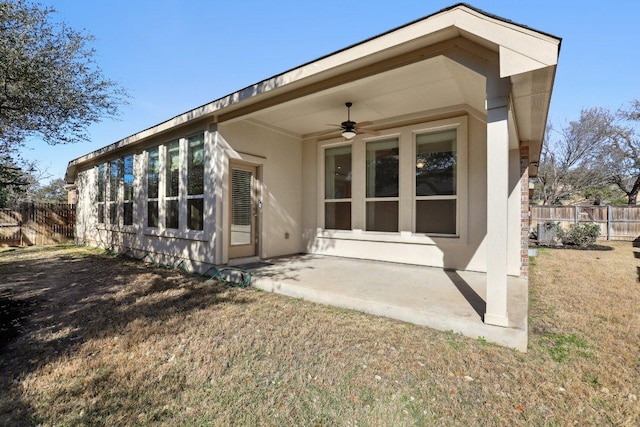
{"type": "Point", "coordinates": [109, 341]}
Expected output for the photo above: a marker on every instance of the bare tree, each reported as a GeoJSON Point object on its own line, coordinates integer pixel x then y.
{"type": "Point", "coordinates": [622, 154]}
{"type": "Point", "coordinates": [569, 163]}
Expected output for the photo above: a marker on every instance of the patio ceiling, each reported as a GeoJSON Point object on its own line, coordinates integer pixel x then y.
{"type": "Point", "coordinates": [388, 97]}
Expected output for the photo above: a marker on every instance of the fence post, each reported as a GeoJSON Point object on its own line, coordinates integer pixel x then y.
{"type": "Point", "coordinates": [576, 216]}
{"type": "Point", "coordinates": [609, 218]}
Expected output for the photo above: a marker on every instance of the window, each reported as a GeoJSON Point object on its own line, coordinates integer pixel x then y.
{"type": "Point", "coordinates": [411, 181]}
{"type": "Point", "coordinates": [101, 192]}
{"type": "Point", "coordinates": [382, 185]}
{"type": "Point", "coordinates": [337, 188]}
{"type": "Point", "coordinates": [172, 185]}
{"type": "Point", "coordinates": [115, 171]}
{"type": "Point", "coordinates": [195, 182]}
{"type": "Point", "coordinates": [436, 187]}
{"type": "Point", "coordinates": [175, 184]}
{"type": "Point", "coordinates": [127, 179]}
{"type": "Point", "coordinates": [153, 185]}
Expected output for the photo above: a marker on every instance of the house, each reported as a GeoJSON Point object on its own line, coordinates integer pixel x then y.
{"type": "Point", "coordinates": [439, 125]}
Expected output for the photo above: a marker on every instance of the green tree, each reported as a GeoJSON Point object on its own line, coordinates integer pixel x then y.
{"type": "Point", "coordinates": [16, 179]}
{"type": "Point", "coordinates": [50, 84]}
{"type": "Point", "coordinates": [53, 192]}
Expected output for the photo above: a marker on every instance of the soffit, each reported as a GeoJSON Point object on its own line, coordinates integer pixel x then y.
{"type": "Point", "coordinates": [428, 85]}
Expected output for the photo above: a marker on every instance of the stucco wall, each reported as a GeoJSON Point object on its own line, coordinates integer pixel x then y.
{"type": "Point", "coordinates": [467, 252]}
{"type": "Point", "coordinates": [194, 249]}
{"type": "Point", "coordinates": [290, 217]}
{"type": "Point", "coordinates": [278, 157]}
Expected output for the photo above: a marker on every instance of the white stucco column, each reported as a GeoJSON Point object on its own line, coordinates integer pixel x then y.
{"type": "Point", "coordinates": [497, 210]}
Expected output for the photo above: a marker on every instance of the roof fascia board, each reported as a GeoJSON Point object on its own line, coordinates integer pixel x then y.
{"type": "Point", "coordinates": [517, 43]}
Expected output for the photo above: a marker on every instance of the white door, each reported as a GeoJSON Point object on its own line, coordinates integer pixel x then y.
{"type": "Point", "coordinates": [244, 211]}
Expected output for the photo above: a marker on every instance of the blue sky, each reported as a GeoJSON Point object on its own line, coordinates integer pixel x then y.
{"type": "Point", "coordinates": [173, 56]}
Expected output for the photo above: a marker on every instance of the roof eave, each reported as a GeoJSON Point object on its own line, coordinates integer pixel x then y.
{"type": "Point", "coordinates": [461, 17]}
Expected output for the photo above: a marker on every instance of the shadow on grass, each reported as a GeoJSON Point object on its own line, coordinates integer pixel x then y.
{"type": "Point", "coordinates": [78, 296]}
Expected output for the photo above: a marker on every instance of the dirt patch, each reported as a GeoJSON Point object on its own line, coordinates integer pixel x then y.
{"type": "Point", "coordinates": [110, 341]}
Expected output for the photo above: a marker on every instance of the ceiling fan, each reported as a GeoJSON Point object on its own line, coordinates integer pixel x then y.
{"type": "Point", "coordinates": [350, 128]}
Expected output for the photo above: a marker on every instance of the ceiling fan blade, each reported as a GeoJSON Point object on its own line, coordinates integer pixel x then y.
{"type": "Point", "coordinates": [333, 124]}
{"type": "Point", "coordinates": [367, 123]}
{"type": "Point", "coordinates": [369, 131]}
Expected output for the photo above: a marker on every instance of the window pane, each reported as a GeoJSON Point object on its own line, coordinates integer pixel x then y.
{"type": "Point", "coordinates": [113, 213]}
{"type": "Point", "coordinates": [101, 184]}
{"type": "Point", "coordinates": [337, 173]}
{"type": "Point", "coordinates": [194, 214]}
{"type": "Point", "coordinates": [173, 169]}
{"type": "Point", "coordinates": [382, 168]}
{"type": "Point", "coordinates": [436, 216]}
{"type": "Point", "coordinates": [382, 216]}
{"type": "Point", "coordinates": [128, 213]}
{"type": "Point", "coordinates": [127, 177]}
{"type": "Point", "coordinates": [436, 163]}
{"type": "Point", "coordinates": [171, 214]}
{"type": "Point", "coordinates": [152, 214]}
{"type": "Point", "coordinates": [195, 168]}
{"type": "Point", "coordinates": [114, 178]}
{"type": "Point", "coordinates": [153, 173]}
{"type": "Point", "coordinates": [337, 215]}
{"type": "Point", "coordinates": [101, 213]}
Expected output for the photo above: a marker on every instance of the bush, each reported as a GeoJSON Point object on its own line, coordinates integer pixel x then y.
{"type": "Point", "coordinates": [581, 235]}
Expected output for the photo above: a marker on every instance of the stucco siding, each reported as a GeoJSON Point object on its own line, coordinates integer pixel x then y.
{"type": "Point", "coordinates": [278, 157]}
{"type": "Point", "coordinates": [466, 252]}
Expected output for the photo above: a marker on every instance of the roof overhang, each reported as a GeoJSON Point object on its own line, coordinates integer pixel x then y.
{"type": "Point", "coordinates": [436, 58]}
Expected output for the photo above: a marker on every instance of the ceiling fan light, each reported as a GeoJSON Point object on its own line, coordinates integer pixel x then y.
{"type": "Point", "coordinates": [348, 133]}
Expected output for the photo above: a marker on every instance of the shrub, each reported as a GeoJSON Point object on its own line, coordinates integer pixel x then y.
{"type": "Point", "coordinates": [581, 235]}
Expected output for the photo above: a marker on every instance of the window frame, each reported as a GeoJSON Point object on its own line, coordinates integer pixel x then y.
{"type": "Point", "coordinates": [101, 193]}
{"type": "Point", "coordinates": [407, 182]}
{"type": "Point", "coordinates": [156, 199]}
{"type": "Point", "coordinates": [182, 198]}
{"type": "Point", "coordinates": [435, 197]}
{"type": "Point", "coordinates": [125, 200]}
{"type": "Point", "coordinates": [114, 194]}
{"type": "Point", "coordinates": [199, 196]}
{"type": "Point", "coordinates": [325, 200]}
{"type": "Point", "coordinates": [173, 199]}
{"type": "Point", "coordinates": [374, 199]}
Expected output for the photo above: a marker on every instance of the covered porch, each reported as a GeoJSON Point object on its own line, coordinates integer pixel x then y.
{"type": "Point", "coordinates": [447, 300]}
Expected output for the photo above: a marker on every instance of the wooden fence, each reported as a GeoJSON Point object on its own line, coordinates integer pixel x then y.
{"type": "Point", "coordinates": [37, 224]}
{"type": "Point", "coordinates": [616, 222]}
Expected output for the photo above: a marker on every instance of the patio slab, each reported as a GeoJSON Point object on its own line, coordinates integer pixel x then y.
{"type": "Point", "coordinates": [433, 297]}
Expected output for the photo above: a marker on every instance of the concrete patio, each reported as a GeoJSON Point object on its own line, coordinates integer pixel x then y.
{"type": "Point", "coordinates": [432, 297]}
